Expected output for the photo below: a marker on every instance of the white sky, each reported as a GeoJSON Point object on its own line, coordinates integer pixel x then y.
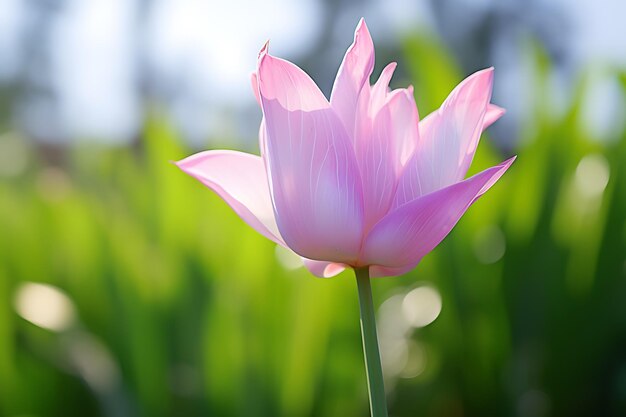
{"type": "Point", "coordinates": [205, 50]}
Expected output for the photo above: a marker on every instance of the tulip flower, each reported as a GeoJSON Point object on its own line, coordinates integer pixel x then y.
{"type": "Point", "coordinates": [358, 180]}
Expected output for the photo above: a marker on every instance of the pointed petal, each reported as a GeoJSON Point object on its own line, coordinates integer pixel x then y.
{"type": "Point", "coordinates": [323, 269]}
{"type": "Point", "coordinates": [363, 120]}
{"type": "Point", "coordinates": [288, 85]}
{"type": "Point", "coordinates": [493, 114]}
{"type": "Point", "coordinates": [314, 178]}
{"type": "Point", "coordinates": [254, 82]}
{"type": "Point", "coordinates": [381, 155]}
{"type": "Point", "coordinates": [353, 74]}
{"type": "Point", "coordinates": [381, 88]}
{"type": "Point", "coordinates": [369, 103]}
{"type": "Point", "coordinates": [405, 124]}
{"type": "Point", "coordinates": [254, 78]}
{"type": "Point", "coordinates": [240, 179]}
{"type": "Point", "coordinates": [405, 235]}
{"type": "Point", "coordinates": [448, 139]}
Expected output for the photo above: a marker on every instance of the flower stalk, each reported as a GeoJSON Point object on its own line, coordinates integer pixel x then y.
{"type": "Point", "coordinates": [375, 384]}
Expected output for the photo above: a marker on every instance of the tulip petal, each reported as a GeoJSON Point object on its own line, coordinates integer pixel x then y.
{"type": "Point", "coordinates": [371, 100]}
{"type": "Point", "coordinates": [314, 178]}
{"type": "Point", "coordinates": [240, 179]}
{"type": "Point", "coordinates": [263, 140]}
{"type": "Point", "coordinates": [493, 114]}
{"type": "Point", "coordinates": [323, 269]}
{"type": "Point", "coordinates": [408, 233]}
{"type": "Point", "coordinates": [448, 139]}
{"type": "Point", "coordinates": [380, 89]}
{"type": "Point", "coordinates": [377, 271]}
{"type": "Point", "coordinates": [254, 83]}
{"type": "Point", "coordinates": [405, 123]}
{"type": "Point", "coordinates": [382, 153]}
{"type": "Point", "coordinates": [353, 74]}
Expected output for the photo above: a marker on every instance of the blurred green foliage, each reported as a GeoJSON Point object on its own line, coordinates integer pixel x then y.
{"type": "Point", "coordinates": [183, 310]}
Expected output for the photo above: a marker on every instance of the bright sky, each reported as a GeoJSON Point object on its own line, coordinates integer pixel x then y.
{"type": "Point", "coordinates": [201, 52]}
{"type": "Point", "coordinates": [212, 44]}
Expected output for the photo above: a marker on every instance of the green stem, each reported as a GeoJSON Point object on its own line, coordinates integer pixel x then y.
{"type": "Point", "coordinates": [374, 370]}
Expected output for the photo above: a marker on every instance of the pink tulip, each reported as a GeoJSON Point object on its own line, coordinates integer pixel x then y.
{"type": "Point", "coordinates": [358, 180]}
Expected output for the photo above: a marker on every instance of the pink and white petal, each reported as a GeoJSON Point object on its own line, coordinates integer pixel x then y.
{"type": "Point", "coordinates": [240, 179]}
{"type": "Point", "coordinates": [408, 233]}
{"type": "Point", "coordinates": [419, 178]}
{"type": "Point", "coordinates": [354, 72]}
{"type": "Point", "coordinates": [493, 114]}
{"type": "Point", "coordinates": [254, 83]}
{"type": "Point", "coordinates": [369, 103]}
{"type": "Point", "coordinates": [378, 271]}
{"type": "Point", "coordinates": [263, 141]}
{"type": "Point", "coordinates": [363, 120]}
{"type": "Point", "coordinates": [405, 122]}
{"type": "Point", "coordinates": [381, 155]}
{"type": "Point", "coordinates": [284, 82]}
{"type": "Point", "coordinates": [378, 171]}
{"type": "Point", "coordinates": [448, 139]}
{"type": "Point", "coordinates": [381, 88]}
{"type": "Point", "coordinates": [323, 269]}
{"type": "Point", "coordinates": [464, 111]}
{"type": "Point", "coordinates": [314, 178]}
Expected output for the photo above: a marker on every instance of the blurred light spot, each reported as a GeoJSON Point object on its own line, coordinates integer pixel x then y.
{"type": "Point", "coordinates": [13, 155]}
{"type": "Point", "coordinates": [287, 258]}
{"type": "Point", "coordinates": [421, 306]}
{"type": "Point", "coordinates": [394, 354]}
{"type": "Point", "coordinates": [53, 184]}
{"type": "Point", "coordinates": [489, 244]}
{"type": "Point", "coordinates": [533, 403]}
{"type": "Point", "coordinates": [391, 321]}
{"type": "Point", "coordinates": [592, 175]}
{"type": "Point", "coordinates": [416, 360]}
{"type": "Point", "coordinates": [94, 363]}
{"type": "Point", "coordinates": [45, 306]}
{"type": "Point", "coordinates": [392, 330]}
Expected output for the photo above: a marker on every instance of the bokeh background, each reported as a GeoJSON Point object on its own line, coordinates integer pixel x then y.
{"type": "Point", "coordinates": [128, 289]}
